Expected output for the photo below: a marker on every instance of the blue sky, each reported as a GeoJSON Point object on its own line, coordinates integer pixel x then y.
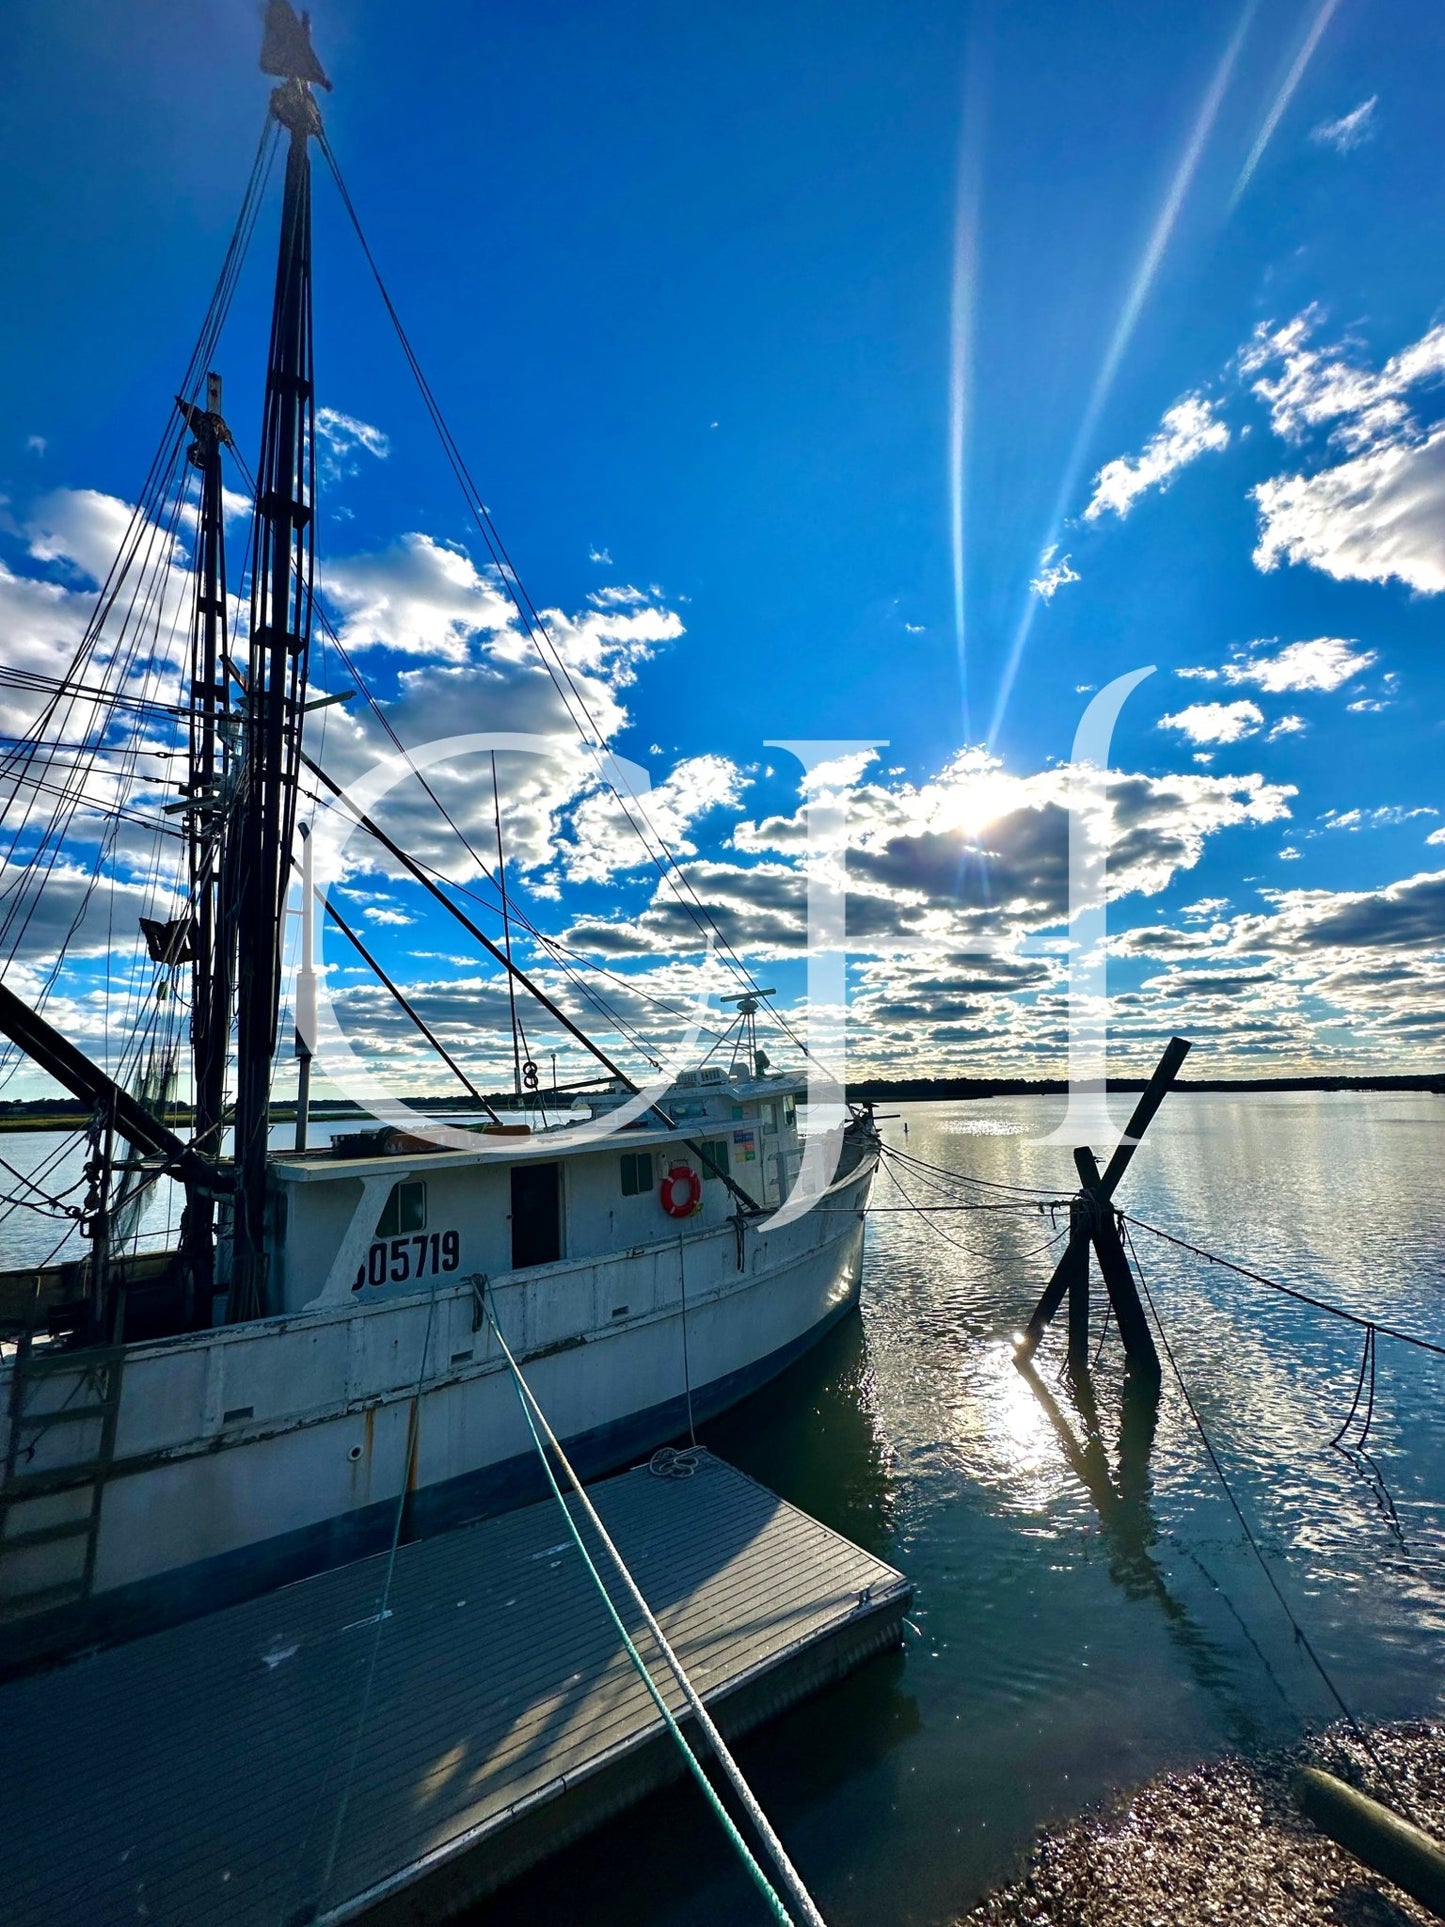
{"type": "Point", "coordinates": [777, 342]}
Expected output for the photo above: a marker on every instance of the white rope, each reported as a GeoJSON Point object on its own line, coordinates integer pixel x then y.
{"type": "Point", "coordinates": [788, 1873]}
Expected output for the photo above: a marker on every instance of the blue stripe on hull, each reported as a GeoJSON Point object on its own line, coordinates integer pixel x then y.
{"type": "Point", "coordinates": [210, 1584]}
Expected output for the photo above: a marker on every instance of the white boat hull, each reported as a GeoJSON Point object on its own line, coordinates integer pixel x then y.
{"type": "Point", "coordinates": [300, 1460]}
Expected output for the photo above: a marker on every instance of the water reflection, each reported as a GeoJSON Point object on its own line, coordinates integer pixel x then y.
{"type": "Point", "coordinates": [1121, 1496]}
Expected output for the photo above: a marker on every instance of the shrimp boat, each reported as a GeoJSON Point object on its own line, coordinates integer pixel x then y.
{"type": "Point", "coordinates": [315, 1366]}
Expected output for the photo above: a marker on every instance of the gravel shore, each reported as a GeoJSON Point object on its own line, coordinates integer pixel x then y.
{"type": "Point", "coordinates": [1224, 1844]}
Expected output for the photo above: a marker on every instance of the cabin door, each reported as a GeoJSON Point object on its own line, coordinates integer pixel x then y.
{"type": "Point", "coordinates": [536, 1214]}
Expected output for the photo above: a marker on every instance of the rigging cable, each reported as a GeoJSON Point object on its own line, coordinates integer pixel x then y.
{"type": "Point", "coordinates": [441, 1050]}
{"type": "Point", "coordinates": [552, 659]}
{"type": "Point", "coordinates": [433, 880]}
{"type": "Point", "coordinates": [145, 608]}
{"type": "Point", "coordinates": [558, 951]}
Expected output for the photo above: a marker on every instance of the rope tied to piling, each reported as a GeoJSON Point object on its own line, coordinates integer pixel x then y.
{"type": "Point", "coordinates": [1289, 1291]}
{"type": "Point", "coordinates": [1301, 1638]}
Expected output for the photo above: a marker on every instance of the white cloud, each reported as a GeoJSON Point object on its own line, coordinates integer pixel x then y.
{"type": "Point", "coordinates": [1052, 575]}
{"type": "Point", "coordinates": [341, 437]}
{"type": "Point", "coordinates": [620, 595]}
{"type": "Point", "coordinates": [1216, 722]}
{"type": "Point", "coordinates": [1350, 130]}
{"type": "Point", "coordinates": [1376, 518]}
{"type": "Point", "coordinates": [1189, 429]}
{"type": "Point", "coordinates": [36, 444]}
{"type": "Point", "coordinates": [77, 533]}
{"type": "Point", "coordinates": [602, 841]}
{"type": "Point", "coordinates": [1319, 385]}
{"type": "Point", "coordinates": [976, 859]}
{"type": "Point", "coordinates": [1384, 816]}
{"type": "Point", "coordinates": [419, 597]}
{"type": "Point", "coordinates": [1323, 663]}
{"type": "Point", "coordinates": [600, 555]}
{"type": "Point", "coordinates": [1437, 836]}
{"type": "Point", "coordinates": [1286, 726]}
{"type": "Point", "coordinates": [473, 667]}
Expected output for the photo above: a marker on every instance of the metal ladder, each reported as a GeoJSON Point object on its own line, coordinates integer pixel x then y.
{"type": "Point", "coordinates": [50, 1516]}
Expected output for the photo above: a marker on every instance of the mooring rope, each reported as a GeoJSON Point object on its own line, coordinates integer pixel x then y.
{"type": "Point", "coordinates": [1302, 1638]}
{"type": "Point", "coordinates": [922, 1165]}
{"type": "Point", "coordinates": [788, 1874]}
{"type": "Point", "coordinates": [1367, 1366]}
{"type": "Point", "coordinates": [1290, 1291]}
{"type": "Point", "coordinates": [928, 1211]}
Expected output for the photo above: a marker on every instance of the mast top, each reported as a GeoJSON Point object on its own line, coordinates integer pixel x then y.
{"type": "Point", "coordinates": [286, 50]}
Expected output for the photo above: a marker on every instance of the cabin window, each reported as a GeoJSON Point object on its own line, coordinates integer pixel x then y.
{"type": "Point", "coordinates": [790, 1115]}
{"type": "Point", "coordinates": [404, 1210]}
{"type": "Point", "coordinates": [636, 1173]}
{"type": "Point", "coordinates": [715, 1165]}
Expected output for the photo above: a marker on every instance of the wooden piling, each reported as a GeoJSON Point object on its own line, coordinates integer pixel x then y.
{"type": "Point", "coordinates": [1114, 1265]}
{"type": "Point", "coordinates": [1093, 1220]}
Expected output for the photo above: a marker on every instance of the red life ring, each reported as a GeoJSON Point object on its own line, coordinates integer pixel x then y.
{"type": "Point", "coordinates": [681, 1191]}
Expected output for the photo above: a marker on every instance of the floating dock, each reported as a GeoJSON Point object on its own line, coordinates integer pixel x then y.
{"type": "Point", "coordinates": [305, 1758]}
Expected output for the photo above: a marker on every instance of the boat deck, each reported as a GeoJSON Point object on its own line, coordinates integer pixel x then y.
{"type": "Point", "coordinates": [303, 1758]}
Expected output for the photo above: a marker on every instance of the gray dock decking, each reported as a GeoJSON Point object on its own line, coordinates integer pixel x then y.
{"type": "Point", "coordinates": [221, 1773]}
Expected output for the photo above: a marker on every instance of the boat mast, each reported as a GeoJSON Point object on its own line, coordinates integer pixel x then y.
{"type": "Point", "coordinates": [211, 944]}
{"type": "Point", "coordinates": [280, 637]}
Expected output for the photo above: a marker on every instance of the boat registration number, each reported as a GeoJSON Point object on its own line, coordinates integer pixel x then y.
{"type": "Point", "coordinates": [392, 1261]}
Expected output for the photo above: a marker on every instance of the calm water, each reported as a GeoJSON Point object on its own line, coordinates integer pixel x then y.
{"type": "Point", "coordinates": [1086, 1610]}
{"type": "Point", "coordinates": [1085, 1617]}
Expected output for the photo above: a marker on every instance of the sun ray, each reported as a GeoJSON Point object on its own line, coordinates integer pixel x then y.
{"type": "Point", "coordinates": [963, 298]}
{"type": "Point", "coordinates": [1140, 284]}
{"type": "Point", "coordinates": [1283, 98]}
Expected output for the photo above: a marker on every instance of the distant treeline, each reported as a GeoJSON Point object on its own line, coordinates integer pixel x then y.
{"type": "Point", "coordinates": [18, 1114]}
{"type": "Point", "coordinates": [919, 1089]}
